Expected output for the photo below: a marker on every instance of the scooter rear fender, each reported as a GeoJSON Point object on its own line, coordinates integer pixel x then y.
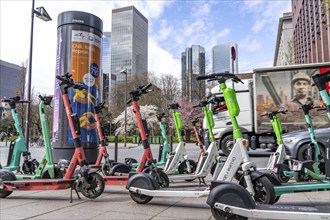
{"type": "Point", "coordinates": [230, 194]}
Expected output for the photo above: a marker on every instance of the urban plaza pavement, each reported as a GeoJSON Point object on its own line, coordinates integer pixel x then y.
{"type": "Point", "coordinates": [115, 203]}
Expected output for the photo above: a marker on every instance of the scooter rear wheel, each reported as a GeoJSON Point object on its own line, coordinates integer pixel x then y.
{"type": "Point", "coordinates": [95, 187]}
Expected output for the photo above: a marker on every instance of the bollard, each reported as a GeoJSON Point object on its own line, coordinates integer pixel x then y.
{"type": "Point", "coordinates": [116, 149]}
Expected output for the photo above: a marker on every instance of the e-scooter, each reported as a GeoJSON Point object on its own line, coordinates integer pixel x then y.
{"type": "Point", "coordinates": [310, 168]}
{"type": "Point", "coordinates": [178, 158]}
{"type": "Point", "coordinates": [147, 162]}
{"type": "Point", "coordinates": [17, 147]}
{"type": "Point", "coordinates": [230, 201]}
{"type": "Point", "coordinates": [108, 167]}
{"type": "Point", "coordinates": [279, 162]}
{"type": "Point", "coordinates": [143, 189]}
{"type": "Point", "coordinates": [46, 169]}
{"type": "Point", "coordinates": [88, 182]}
{"type": "Point", "coordinates": [164, 149]}
{"type": "Point", "coordinates": [206, 160]}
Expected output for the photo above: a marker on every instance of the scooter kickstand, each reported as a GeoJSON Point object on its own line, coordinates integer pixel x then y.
{"type": "Point", "coordinates": [201, 180]}
{"type": "Point", "coordinates": [73, 188]}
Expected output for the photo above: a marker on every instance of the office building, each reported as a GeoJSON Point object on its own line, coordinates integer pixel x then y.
{"type": "Point", "coordinates": [193, 65]}
{"type": "Point", "coordinates": [105, 64]}
{"type": "Point", "coordinates": [311, 20]}
{"type": "Point", "coordinates": [12, 80]}
{"type": "Point", "coordinates": [129, 42]}
{"type": "Point", "coordinates": [106, 52]}
{"type": "Point", "coordinates": [284, 50]}
{"type": "Point", "coordinates": [222, 58]}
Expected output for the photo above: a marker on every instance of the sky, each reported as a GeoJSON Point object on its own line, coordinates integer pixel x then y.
{"type": "Point", "coordinates": [174, 25]}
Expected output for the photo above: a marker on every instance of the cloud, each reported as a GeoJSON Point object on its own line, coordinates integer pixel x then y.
{"type": "Point", "coordinates": [250, 44]}
{"type": "Point", "coordinates": [201, 10]}
{"type": "Point", "coordinates": [161, 61]}
{"type": "Point", "coordinates": [223, 33]}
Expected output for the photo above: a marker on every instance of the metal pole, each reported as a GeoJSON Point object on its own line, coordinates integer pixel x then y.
{"type": "Point", "coordinates": [125, 109]}
{"type": "Point", "coordinates": [28, 111]}
{"type": "Point", "coordinates": [116, 149]}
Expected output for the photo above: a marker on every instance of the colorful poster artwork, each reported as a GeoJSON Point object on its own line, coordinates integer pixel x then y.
{"type": "Point", "coordinates": [85, 70]}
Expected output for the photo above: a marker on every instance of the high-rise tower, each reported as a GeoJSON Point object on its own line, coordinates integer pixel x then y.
{"type": "Point", "coordinates": [129, 42]}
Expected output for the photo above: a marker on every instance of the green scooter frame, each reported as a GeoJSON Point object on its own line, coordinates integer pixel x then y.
{"type": "Point", "coordinates": [52, 170]}
{"type": "Point", "coordinates": [279, 163]}
{"type": "Point", "coordinates": [17, 147]}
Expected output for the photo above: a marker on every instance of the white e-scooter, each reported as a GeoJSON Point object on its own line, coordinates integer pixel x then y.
{"type": "Point", "coordinates": [231, 201]}
{"type": "Point", "coordinates": [143, 188]}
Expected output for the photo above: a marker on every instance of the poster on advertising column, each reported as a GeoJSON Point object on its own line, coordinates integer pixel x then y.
{"type": "Point", "coordinates": [85, 69]}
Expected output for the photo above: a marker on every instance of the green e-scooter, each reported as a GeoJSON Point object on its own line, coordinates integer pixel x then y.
{"type": "Point", "coordinates": [46, 169]}
{"type": "Point", "coordinates": [17, 147]}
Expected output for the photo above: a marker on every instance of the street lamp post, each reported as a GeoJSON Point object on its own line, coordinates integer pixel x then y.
{"type": "Point", "coordinates": [124, 71]}
{"type": "Point", "coordinates": [43, 15]}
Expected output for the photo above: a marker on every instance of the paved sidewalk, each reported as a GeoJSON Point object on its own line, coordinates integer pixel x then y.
{"type": "Point", "coordinates": [115, 203]}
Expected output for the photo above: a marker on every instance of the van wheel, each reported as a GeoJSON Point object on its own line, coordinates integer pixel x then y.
{"type": "Point", "coordinates": [227, 144]}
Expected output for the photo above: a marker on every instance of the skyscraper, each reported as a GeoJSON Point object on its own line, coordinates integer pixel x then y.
{"type": "Point", "coordinates": [193, 65]}
{"type": "Point", "coordinates": [105, 64]}
{"type": "Point", "coordinates": [311, 20]}
{"type": "Point", "coordinates": [11, 80]}
{"type": "Point", "coordinates": [222, 58]}
{"type": "Point", "coordinates": [284, 51]}
{"type": "Point", "coordinates": [105, 52]}
{"type": "Point", "coordinates": [129, 42]}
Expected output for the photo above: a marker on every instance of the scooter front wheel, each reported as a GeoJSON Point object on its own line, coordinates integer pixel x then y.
{"type": "Point", "coordinates": [95, 186]}
{"type": "Point", "coordinates": [280, 173]}
{"type": "Point", "coordinates": [57, 174]}
{"type": "Point", "coordinates": [6, 175]}
{"type": "Point", "coordinates": [264, 191]}
{"type": "Point", "coordinates": [30, 166]}
{"type": "Point", "coordinates": [221, 215]}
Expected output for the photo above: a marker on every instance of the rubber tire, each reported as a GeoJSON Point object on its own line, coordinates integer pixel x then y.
{"type": "Point", "coordinates": [213, 169]}
{"type": "Point", "coordinates": [141, 199]}
{"type": "Point", "coordinates": [119, 168]}
{"type": "Point", "coordinates": [301, 177]}
{"type": "Point", "coordinates": [239, 173]}
{"type": "Point", "coordinates": [227, 144]}
{"type": "Point", "coordinates": [163, 182]}
{"type": "Point", "coordinates": [4, 193]}
{"type": "Point", "coordinates": [183, 167]}
{"type": "Point", "coordinates": [302, 152]}
{"type": "Point", "coordinates": [97, 182]}
{"type": "Point", "coordinates": [58, 174]}
{"type": "Point", "coordinates": [221, 215]}
{"type": "Point", "coordinates": [281, 177]}
{"type": "Point", "coordinates": [264, 191]}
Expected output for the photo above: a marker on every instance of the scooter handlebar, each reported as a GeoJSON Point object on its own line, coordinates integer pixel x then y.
{"type": "Point", "coordinates": [221, 77]}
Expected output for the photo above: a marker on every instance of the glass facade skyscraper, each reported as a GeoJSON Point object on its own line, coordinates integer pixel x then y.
{"type": "Point", "coordinates": [105, 52]}
{"type": "Point", "coordinates": [193, 65]}
{"type": "Point", "coordinates": [222, 58]}
{"type": "Point", "coordinates": [105, 64]}
{"type": "Point", "coordinates": [129, 42]}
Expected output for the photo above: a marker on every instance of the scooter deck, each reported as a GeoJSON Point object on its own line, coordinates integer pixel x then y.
{"type": "Point", "coordinates": [40, 184]}
{"type": "Point", "coordinates": [302, 187]}
{"type": "Point", "coordinates": [173, 192]}
{"type": "Point", "coordinates": [115, 180]}
{"type": "Point", "coordinates": [277, 211]}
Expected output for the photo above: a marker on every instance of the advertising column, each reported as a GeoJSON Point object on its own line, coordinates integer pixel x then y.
{"type": "Point", "coordinates": [79, 37]}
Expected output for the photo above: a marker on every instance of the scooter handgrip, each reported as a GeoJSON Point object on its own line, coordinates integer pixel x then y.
{"type": "Point", "coordinates": [146, 87]}
{"type": "Point", "coordinates": [211, 76]}
{"type": "Point", "coordinates": [129, 101]}
{"type": "Point", "coordinates": [195, 106]}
